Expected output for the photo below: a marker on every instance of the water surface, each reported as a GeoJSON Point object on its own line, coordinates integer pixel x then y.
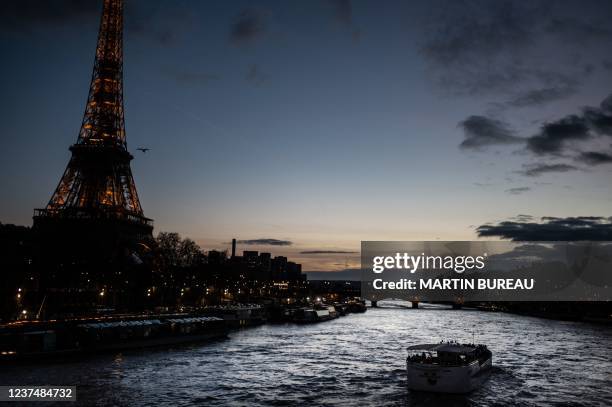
{"type": "Point", "coordinates": [355, 360]}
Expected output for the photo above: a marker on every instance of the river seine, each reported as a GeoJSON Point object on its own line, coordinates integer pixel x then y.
{"type": "Point", "coordinates": [354, 360]}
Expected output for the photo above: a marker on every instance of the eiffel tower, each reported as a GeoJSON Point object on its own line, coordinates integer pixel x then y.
{"type": "Point", "coordinates": [95, 208]}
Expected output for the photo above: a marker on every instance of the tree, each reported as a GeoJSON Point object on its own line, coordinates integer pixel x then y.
{"type": "Point", "coordinates": [169, 244]}
{"type": "Point", "coordinates": [177, 252]}
{"type": "Point", "coordinates": [190, 254]}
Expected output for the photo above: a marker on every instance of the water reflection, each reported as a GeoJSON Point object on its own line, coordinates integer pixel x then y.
{"type": "Point", "coordinates": [358, 359]}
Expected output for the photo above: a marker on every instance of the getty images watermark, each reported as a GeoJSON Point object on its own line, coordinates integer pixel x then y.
{"type": "Point", "coordinates": [487, 271]}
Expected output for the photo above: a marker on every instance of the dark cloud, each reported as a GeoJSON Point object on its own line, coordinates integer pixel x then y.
{"type": "Point", "coordinates": [343, 10]}
{"type": "Point", "coordinates": [343, 13]}
{"type": "Point", "coordinates": [21, 15]}
{"type": "Point", "coordinates": [523, 218]}
{"type": "Point", "coordinates": [606, 104]}
{"type": "Point", "coordinates": [469, 46]}
{"type": "Point", "coordinates": [327, 252]}
{"type": "Point", "coordinates": [578, 31]}
{"type": "Point", "coordinates": [600, 119]}
{"type": "Point", "coordinates": [255, 76]}
{"type": "Point", "coordinates": [266, 242]}
{"type": "Point", "coordinates": [535, 170]}
{"type": "Point", "coordinates": [154, 21]}
{"type": "Point", "coordinates": [553, 136]}
{"type": "Point", "coordinates": [481, 131]}
{"type": "Point", "coordinates": [541, 96]}
{"type": "Point", "coordinates": [482, 47]}
{"type": "Point", "coordinates": [157, 22]}
{"type": "Point", "coordinates": [593, 228]}
{"type": "Point", "coordinates": [565, 137]}
{"type": "Point", "coordinates": [595, 158]}
{"type": "Point", "coordinates": [248, 25]}
{"type": "Point", "coordinates": [517, 190]}
{"type": "Point", "coordinates": [469, 32]}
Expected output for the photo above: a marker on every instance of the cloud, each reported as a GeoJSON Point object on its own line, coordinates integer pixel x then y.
{"type": "Point", "coordinates": [481, 131]}
{"type": "Point", "coordinates": [595, 158]}
{"type": "Point", "coordinates": [517, 190]}
{"type": "Point", "coordinates": [553, 136]}
{"type": "Point", "coordinates": [578, 31]}
{"type": "Point", "coordinates": [606, 104]}
{"type": "Point", "coordinates": [343, 14]}
{"type": "Point", "coordinates": [255, 76]}
{"type": "Point", "coordinates": [541, 96]}
{"type": "Point", "coordinates": [539, 52]}
{"type": "Point", "coordinates": [574, 136]}
{"type": "Point", "coordinates": [157, 22]}
{"type": "Point", "coordinates": [266, 242]}
{"type": "Point", "coordinates": [600, 119]}
{"type": "Point", "coordinates": [469, 45]}
{"type": "Point", "coordinates": [523, 218]}
{"type": "Point", "coordinates": [153, 21]}
{"type": "Point", "coordinates": [468, 32]}
{"type": "Point", "coordinates": [535, 170]}
{"type": "Point", "coordinates": [248, 25]}
{"type": "Point", "coordinates": [343, 11]}
{"type": "Point", "coordinates": [21, 15]}
{"type": "Point", "coordinates": [593, 228]}
{"type": "Point", "coordinates": [327, 252]}
{"type": "Point", "coordinates": [567, 137]}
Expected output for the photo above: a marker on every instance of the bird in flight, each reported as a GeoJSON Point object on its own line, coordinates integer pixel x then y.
{"type": "Point", "coordinates": [143, 149]}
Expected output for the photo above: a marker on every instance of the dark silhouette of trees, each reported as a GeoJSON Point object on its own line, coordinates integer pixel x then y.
{"type": "Point", "coordinates": [177, 252]}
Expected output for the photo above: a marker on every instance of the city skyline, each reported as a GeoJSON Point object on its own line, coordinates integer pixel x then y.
{"type": "Point", "coordinates": [304, 130]}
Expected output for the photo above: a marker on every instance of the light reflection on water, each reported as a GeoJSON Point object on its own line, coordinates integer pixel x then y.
{"type": "Point", "coordinates": [354, 360]}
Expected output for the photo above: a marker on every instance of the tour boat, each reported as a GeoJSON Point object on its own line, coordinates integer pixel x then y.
{"type": "Point", "coordinates": [447, 367]}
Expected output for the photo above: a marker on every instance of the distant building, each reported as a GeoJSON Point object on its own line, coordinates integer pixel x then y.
{"type": "Point", "coordinates": [253, 265]}
{"type": "Point", "coordinates": [217, 257]}
{"type": "Point", "coordinates": [265, 261]}
{"type": "Point", "coordinates": [278, 268]}
{"type": "Point", "coordinates": [294, 271]}
{"type": "Point", "coordinates": [250, 257]}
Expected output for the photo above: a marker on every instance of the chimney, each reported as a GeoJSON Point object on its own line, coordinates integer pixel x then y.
{"type": "Point", "coordinates": [233, 248]}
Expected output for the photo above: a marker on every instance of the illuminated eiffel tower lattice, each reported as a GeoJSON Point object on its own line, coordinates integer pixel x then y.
{"type": "Point", "coordinates": [97, 192]}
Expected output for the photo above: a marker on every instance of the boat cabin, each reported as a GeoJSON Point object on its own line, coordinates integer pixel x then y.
{"type": "Point", "coordinates": [445, 353]}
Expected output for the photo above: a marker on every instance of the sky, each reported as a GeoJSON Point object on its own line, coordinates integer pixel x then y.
{"type": "Point", "coordinates": [302, 128]}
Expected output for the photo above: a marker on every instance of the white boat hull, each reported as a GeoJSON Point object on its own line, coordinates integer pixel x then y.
{"type": "Point", "coordinates": [447, 379]}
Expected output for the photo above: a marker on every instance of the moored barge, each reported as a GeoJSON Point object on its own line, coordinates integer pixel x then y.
{"type": "Point", "coordinates": [320, 313]}
{"type": "Point", "coordinates": [38, 339]}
